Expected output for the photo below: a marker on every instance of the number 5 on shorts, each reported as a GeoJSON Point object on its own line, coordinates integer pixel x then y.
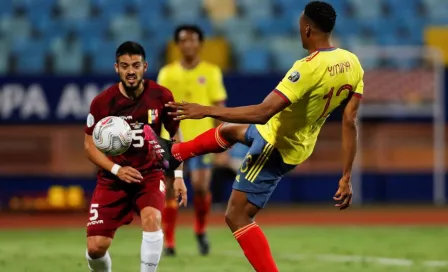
{"type": "Point", "coordinates": [94, 212]}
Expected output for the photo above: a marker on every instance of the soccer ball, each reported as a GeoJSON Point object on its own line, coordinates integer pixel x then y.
{"type": "Point", "coordinates": [112, 135]}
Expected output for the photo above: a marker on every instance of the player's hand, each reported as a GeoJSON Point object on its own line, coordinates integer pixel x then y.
{"type": "Point", "coordinates": [187, 110]}
{"type": "Point", "coordinates": [180, 190]}
{"type": "Point", "coordinates": [129, 175]}
{"type": "Point", "coordinates": [344, 193]}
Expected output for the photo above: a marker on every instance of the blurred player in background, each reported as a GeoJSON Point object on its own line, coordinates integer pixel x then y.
{"type": "Point", "coordinates": [133, 181]}
{"type": "Point", "coordinates": [192, 79]}
{"type": "Point", "coordinates": [289, 120]}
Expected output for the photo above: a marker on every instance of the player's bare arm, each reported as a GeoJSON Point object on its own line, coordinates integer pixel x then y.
{"type": "Point", "coordinates": [254, 114]}
{"type": "Point", "coordinates": [180, 190]}
{"type": "Point", "coordinates": [349, 147]}
{"type": "Point", "coordinates": [126, 174]}
{"type": "Point", "coordinates": [219, 104]}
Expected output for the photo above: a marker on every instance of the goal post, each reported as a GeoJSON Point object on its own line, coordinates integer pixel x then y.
{"type": "Point", "coordinates": [403, 82]}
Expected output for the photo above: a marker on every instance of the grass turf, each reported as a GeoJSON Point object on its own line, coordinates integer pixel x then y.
{"type": "Point", "coordinates": [295, 248]}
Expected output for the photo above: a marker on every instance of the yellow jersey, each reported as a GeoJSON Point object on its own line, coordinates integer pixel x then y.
{"type": "Point", "coordinates": [315, 86]}
{"type": "Point", "coordinates": [202, 84]}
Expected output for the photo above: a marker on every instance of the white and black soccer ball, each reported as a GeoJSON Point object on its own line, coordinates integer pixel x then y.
{"type": "Point", "coordinates": [112, 135]}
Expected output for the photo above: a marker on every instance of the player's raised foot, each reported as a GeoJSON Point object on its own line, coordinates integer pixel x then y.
{"type": "Point", "coordinates": [170, 252]}
{"type": "Point", "coordinates": [162, 149]}
{"type": "Point", "coordinates": [203, 244]}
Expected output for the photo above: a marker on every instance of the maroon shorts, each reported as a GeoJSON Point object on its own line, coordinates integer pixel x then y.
{"type": "Point", "coordinates": [114, 202]}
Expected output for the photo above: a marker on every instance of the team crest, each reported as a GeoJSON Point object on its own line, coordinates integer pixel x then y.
{"type": "Point", "coordinates": [294, 76]}
{"type": "Point", "coordinates": [152, 116]}
{"type": "Point", "coordinates": [136, 125]}
{"type": "Point", "coordinates": [201, 80]}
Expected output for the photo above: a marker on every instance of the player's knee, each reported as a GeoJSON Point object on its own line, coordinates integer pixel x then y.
{"type": "Point", "coordinates": [227, 131]}
{"type": "Point", "coordinates": [236, 219]}
{"type": "Point", "coordinates": [151, 219]}
{"type": "Point", "coordinates": [97, 246]}
{"type": "Point", "coordinates": [200, 188]}
{"type": "Point", "coordinates": [233, 132]}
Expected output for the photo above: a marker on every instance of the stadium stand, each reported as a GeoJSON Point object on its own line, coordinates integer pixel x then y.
{"type": "Point", "coordinates": [262, 33]}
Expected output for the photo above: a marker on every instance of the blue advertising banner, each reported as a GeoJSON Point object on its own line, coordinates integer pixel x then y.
{"type": "Point", "coordinates": [55, 100]}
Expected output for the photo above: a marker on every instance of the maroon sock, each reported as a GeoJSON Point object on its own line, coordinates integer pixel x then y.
{"type": "Point", "coordinates": [169, 217]}
{"type": "Point", "coordinates": [202, 206]}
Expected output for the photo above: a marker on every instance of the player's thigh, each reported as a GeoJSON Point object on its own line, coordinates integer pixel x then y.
{"type": "Point", "coordinates": [260, 172]}
{"type": "Point", "coordinates": [233, 132]}
{"type": "Point", "coordinates": [200, 172]}
{"type": "Point", "coordinates": [150, 200]}
{"type": "Point", "coordinates": [110, 208]}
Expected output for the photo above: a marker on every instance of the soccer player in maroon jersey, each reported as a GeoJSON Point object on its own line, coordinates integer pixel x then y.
{"type": "Point", "coordinates": [133, 181]}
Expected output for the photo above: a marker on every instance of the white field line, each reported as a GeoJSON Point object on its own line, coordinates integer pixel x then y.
{"type": "Point", "coordinates": [335, 258]}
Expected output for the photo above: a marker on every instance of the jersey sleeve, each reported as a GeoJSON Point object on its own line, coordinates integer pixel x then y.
{"type": "Point", "coordinates": [170, 125]}
{"type": "Point", "coordinates": [93, 117]}
{"type": "Point", "coordinates": [359, 87]}
{"type": "Point", "coordinates": [217, 91]}
{"type": "Point", "coordinates": [296, 83]}
{"type": "Point", "coordinates": [359, 91]}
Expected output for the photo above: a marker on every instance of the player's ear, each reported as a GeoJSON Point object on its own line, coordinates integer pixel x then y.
{"type": "Point", "coordinates": [145, 66]}
{"type": "Point", "coordinates": [308, 31]}
{"type": "Point", "coordinates": [116, 67]}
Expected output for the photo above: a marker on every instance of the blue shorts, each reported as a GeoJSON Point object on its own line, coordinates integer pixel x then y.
{"type": "Point", "coordinates": [261, 170]}
{"type": "Point", "coordinates": [200, 162]}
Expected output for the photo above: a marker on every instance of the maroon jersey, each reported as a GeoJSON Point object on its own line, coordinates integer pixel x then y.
{"type": "Point", "coordinates": [148, 108]}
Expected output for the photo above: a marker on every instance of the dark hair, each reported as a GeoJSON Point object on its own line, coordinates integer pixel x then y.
{"type": "Point", "coordinates": [192, 28]}
{"type": "Point", "coordinates": [130, 48]}
{"type": "Point", "coordinates": [322, 14]}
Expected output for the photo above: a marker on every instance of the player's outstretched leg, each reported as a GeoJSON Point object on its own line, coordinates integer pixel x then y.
{"type": "Point", "coordinates": [240, 216]}
{"type": "Point", "coordinates": [98, 258]}
{"type": "Point", "coordinates": [169, 216]}
{"type": "Point", "coordinates": [215, 140]}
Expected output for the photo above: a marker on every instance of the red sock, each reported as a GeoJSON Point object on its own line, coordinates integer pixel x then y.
{"type": "Point", "coordinates": [169, 216]}
{"type": "Point", "coordinates": [256, 248]}
{"type": "Point", "coordinates": [202, 206]}
{"type": "Point", "coordinates": [208, 142]}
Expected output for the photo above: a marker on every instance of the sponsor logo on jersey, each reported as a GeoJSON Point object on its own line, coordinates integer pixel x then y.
{"type": "Point", "coordinates": [162, 186]}
{"type": "Point", "coordinates": [90, 120]}
{"type": "Point", "coordinates": [152, 116]}
{"type": "Point", "coordinates": [95, 222]}
{"type": "Point", "coordinates": [294, 76]}
{"type": "Point", "coordinates": [126, 117]}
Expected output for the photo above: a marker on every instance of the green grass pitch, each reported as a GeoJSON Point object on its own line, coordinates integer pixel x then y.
{"type": "Point", "coordinates": [295, 249]}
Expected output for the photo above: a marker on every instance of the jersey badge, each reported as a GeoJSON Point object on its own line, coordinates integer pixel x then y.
{"type": "Point", "coordinates": [201, 80]}
{"type": "Point", "coordinates": [152, 116]}
{"type": "Point", "coordinates": [294, 76]}
{"type": "Point", "coordinates": [90, 120]}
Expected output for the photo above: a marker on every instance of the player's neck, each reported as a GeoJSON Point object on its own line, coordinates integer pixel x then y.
{"type": "Point", "coordinates": [190, 63]}
{"type": "Point", "coordinates": [319, 45]}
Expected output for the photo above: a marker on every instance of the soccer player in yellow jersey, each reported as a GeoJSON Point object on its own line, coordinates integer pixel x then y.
{"type": "Point", "coordinates": [191, 79]}
{"type": "Point", "coordinates": [288, 122]}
